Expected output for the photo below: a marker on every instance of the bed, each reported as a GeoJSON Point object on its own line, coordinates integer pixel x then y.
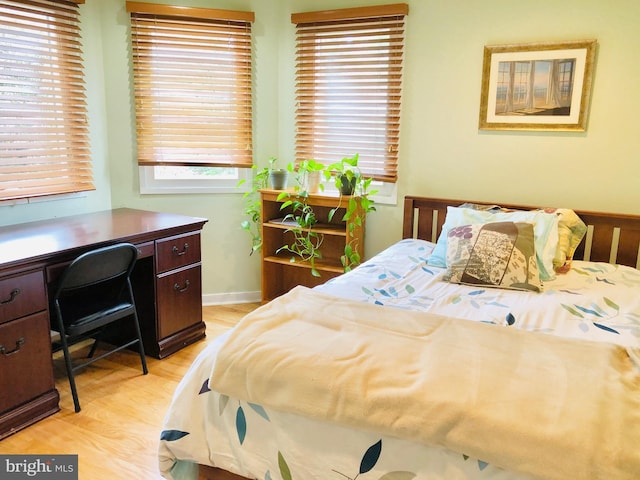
{"type": "Point", "coordinates": [412, 376]}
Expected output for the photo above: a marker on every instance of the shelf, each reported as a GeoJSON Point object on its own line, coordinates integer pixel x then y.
{"type": "Point", "coordinates": [320, 265]}
{"type": "Point", "coordinates": [324, 228]}
{"type": "Point", "coordinates": [279, 273]}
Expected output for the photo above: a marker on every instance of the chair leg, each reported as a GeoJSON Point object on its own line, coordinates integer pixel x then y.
{"type": "Point", "coordinates": [95, 345]}
{"type": "Point", "coordinates": [72, 380]}
{"type": "Point", "coordinates": [143, 359]}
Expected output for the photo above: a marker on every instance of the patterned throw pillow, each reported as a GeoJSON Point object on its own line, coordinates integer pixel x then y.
{"type": "Point", "coordinates": [498, 254]}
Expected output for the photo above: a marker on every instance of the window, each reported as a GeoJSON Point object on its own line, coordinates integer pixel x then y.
{"type": "Point", "coordinates": [192, 72]}
{"type": "Point", "coordinates": [348, 86]}
{"type": "Point", "coordinates": [44, 147]}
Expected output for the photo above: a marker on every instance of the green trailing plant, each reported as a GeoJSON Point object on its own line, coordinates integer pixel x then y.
{"type": "Point", "coordinates": [252, 203]}
{"type": "Point", "coordinates": [349, 180]}
{"type": "Point", "coordinates": [306, 241]}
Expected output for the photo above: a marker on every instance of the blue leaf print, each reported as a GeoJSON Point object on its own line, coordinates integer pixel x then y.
{"type": "Point", "coordinates": [393, 291]}
{"type": "Point", "coordinates": [430, 272]}
{"type": "Point", "coordinates": [591, 269]}
{"type": "Point", "coordinates": [260, 411]}
{"type": "Point", "coordinates": [511, 319]}
{"type": "Point", "coordinates": [378, 302]}
{"type": "Point", "coordinates": [172, 435]}
{"type": "Point", "coordinates": [604, 280]}
{"type": "Point", "coordinates": [396, 275]}
{"type": "Point", "coordinates": [384, 293]}
{"type": "Point", "coordinates": [498, 304]}
{"type": "Point", "coordinates": [382, 276]}
{"type": "Point", "coordinates": [267, 476]}
{"type": "Point", "coordinates": [475, 304]}
{"type": "Point", "coordinates": [598, 309]}
{"type": "Point", "coordinates": [476, 292]}
{"type": "Point", "coordinates": [587, 310]}
{"type": "Point", "coordinates": [605, 328]}
{"type": "Point", "coordinates": [205, 387]}
{"type": "Point", "coordinates": [371, 457]}
{"type": "Point", "coordinates": [241, 425]}
{"type": "Point", "coordinates": [482, 465]}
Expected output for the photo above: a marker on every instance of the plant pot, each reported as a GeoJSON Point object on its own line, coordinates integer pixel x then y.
{"type": "Point", "coordinates": [311, 181]}
{"type": "Point", "coordinates": [278, 179]}
{"type": "Point", "coordinates": [347, 187]}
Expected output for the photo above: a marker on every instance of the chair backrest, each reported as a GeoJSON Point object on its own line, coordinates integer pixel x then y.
{"type": "Point", "coordinates": [97, 266]}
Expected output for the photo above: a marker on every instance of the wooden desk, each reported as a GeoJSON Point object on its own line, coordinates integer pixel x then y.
{"type": "Point", "coordinates": [166, 281]}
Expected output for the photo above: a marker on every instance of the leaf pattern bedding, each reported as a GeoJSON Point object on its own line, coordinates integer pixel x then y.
{"type": "Point", "coordinates": [594, 301]}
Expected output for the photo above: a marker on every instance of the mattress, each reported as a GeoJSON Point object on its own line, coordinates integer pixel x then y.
{"type": "Point", "coordinates": [593, 302]}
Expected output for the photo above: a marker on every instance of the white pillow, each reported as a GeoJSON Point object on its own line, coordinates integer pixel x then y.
{"type": "Point", "coordinates": [545, 231]}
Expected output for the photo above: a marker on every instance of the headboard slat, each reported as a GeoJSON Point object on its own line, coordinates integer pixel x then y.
{"type": "Point", "coordinates": [614, 237]}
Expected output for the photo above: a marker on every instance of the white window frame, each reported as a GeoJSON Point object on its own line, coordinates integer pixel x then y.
{"type": "Point", "coordinates": [150, 185]}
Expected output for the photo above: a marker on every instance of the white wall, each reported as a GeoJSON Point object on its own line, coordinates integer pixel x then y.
{"type": "Point", "coordinates": [442, 152]}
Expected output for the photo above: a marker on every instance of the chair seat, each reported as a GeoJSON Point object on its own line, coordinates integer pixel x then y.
{"type": "Point", "coordinates": [81, 320]}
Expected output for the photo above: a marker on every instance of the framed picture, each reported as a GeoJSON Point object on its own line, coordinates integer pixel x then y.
{"type": "Point", "coordinates": [538, 86]}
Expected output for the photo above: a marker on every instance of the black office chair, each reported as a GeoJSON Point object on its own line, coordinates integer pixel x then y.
{"type": "Point", "coordinates": [93, 292]}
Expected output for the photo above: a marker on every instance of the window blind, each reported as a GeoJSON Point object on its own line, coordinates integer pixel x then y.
{"type": "Point", "coordinates": [349, 85]}
{"type": "Point", "coordinates": [44, 146]}
{"type": "Point", "coordinates": [193, 93]}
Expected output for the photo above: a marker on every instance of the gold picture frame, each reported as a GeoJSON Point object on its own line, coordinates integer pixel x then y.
{"type": "Point", "coordinates": [537, 86]}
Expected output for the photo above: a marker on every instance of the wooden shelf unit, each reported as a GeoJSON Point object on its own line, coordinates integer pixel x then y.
{"type": "Point", "coordinates": [279, 273]}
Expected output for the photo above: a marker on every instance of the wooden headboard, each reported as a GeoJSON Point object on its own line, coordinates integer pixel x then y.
{"type": "Point", "coordinates": [611, 237]}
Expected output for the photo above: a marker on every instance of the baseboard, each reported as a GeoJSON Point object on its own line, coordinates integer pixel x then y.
{"type": "Point", "coordinates": [227, 298]}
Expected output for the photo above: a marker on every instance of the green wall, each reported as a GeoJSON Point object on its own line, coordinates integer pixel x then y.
{"type": "Point", "coordinates": [442, 152]}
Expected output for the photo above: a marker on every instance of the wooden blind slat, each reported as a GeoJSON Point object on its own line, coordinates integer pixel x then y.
{"type": "Point", "coordinates": [193, 88]}
{"type": "Point", "coordinates": [44, 146]}
{"type": "Point", "coordinates": [349, 86]}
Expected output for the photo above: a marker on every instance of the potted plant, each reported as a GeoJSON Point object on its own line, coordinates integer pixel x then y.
{"type": "Point", "coordinates": [307, 241]}
{"type": "Point", "coordinates": [278, 177]}
{"type": "Point", "coordinates": [349, 181]}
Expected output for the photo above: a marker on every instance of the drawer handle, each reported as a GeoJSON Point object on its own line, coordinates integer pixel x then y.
{"type": "Point", "coordinates": [184, 249]}
{"type": "Point", "coordinates": [180, 289]}
{"type": "Point", "coordinates": [19, 343]}
{"type": "Point", "coordinates": [14, 293]}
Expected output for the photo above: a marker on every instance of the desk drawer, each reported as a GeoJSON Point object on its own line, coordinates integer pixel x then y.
{"type": "Point", "coordinates": [25, 364]}
{"type": "Point", "coordinates": [22, 295]}
{"type": "Point", "coordinates": [179, 300]}
{"type": "Point", "coordinates": [178, 251]}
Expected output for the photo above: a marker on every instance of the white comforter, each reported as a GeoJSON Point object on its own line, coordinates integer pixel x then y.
{"type": "Point", "coordinates": [593, 302]}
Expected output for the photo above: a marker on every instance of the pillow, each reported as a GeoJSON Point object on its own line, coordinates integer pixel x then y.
{"type": "Point", "coordinates": [571, 231]}
{"type": "Point", "coordinates": [545, 233]}
{"type": "Point", "coordinates": [496, 254]}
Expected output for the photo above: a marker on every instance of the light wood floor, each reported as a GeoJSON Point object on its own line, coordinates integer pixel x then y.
{"type": "Point", "coordinates": [117, 431]}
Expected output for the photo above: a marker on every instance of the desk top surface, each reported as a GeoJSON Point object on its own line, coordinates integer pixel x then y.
{"type": "Point", "coordinates": [33, 240]}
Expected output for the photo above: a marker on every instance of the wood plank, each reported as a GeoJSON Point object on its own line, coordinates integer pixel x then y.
{"type": "Point", "coordinates": [116, 434]}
